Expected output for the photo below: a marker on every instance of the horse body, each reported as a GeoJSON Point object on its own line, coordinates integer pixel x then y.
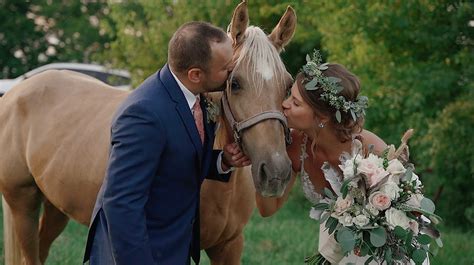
{"type": "Point", "coordinates": [55, 140]}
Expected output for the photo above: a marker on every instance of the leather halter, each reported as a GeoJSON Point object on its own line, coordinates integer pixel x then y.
{"type": "Point", "coordinates": [239, 126]}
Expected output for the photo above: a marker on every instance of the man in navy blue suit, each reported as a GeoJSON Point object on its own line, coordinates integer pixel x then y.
{"type": "Point", "coordinates": [147, 210]}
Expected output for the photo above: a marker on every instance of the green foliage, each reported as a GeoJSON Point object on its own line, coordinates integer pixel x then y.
{"type": "Point", "coordinates": [33, 34]}
{"type": "Point", "coordinates": [450, 144]}
{"type": "Point", "coordinates": [414, 59]}
{"type": "Point", "coordinates": [141, 29]}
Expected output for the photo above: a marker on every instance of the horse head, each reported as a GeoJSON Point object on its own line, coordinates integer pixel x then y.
{"type": "Point", "coordinates": [253, 96]}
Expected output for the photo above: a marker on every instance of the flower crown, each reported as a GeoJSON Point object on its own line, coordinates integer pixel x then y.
{"type": "Point", "coordinates": [331, 88]}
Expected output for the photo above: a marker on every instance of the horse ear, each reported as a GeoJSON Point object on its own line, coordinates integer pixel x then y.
{"type": "Point", "coordinates": [239, 23]}
{"type": "Point", "coordinates": [284, 30]}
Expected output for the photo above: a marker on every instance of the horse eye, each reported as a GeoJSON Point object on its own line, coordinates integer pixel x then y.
{"type": "Point", "coordinates": [234, 84]}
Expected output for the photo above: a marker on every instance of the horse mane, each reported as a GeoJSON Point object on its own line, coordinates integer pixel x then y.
{"type": "Point", "coordinates": [259, 56]}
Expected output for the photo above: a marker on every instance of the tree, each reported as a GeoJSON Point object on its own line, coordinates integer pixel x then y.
{"type": "Point", "coordinates": [40, 32]}
{"type": "Point", "coordinates": [415, 62]}
{"type": "Point", "coordinates": [141, 29]}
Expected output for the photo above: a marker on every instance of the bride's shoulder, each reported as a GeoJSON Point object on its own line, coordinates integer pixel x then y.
{"type": "Point", "coordinates": [370, 138]}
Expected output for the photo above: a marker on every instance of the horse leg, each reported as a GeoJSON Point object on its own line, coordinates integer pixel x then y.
{"type": "Point", "coordinates": [25, 204]}
{"type": "Point", "coordinates": [227, 253]}
{"type": "Point", "coordinates": [52, 223]}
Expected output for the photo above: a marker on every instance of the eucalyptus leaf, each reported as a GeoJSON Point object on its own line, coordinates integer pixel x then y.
{"type": "Point", "coordinates": [408, 175]}
{"type": "Point", "coordinates": [329, 194]}
{"type": "Point", "coordinates": [346, 239]}
{"type": "Point", "coordinates": [324, 217]}
{"type": "Point", "coordinates": [418, 256]}
{"type": "Point", "coordinates": [427, 205]}
{"type": "Point", "coordinates": [439, 242]}
{"type": "Point", "coordinates": [353, 115]}
{"type": "Point", "coordinates": [400, 232]}
{"type": "Point", "coordinates": [312, 85]}
{"type": "Point", "coordinates": [388, 256]}
{"type": "Point", "coordinates": [338, 116]}
{"type": "Point", "coordinates": [378, 237]}
{"type": "Point", "coordinates": [424, 239]}
{"type": "Point", "coordinates": [333, 79]}
{"type": "Point", "coordinates": [321, 206]}
{"type": "Point", "coordinates": [308, 58]}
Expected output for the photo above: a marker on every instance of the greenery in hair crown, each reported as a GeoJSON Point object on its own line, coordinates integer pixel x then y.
{"type": "Point", "coordinates": [313, 71]}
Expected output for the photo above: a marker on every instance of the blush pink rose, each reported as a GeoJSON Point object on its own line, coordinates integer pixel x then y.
{"type": "Point", "coordinates": [380, 200]}
{"type": "Point", "coordinates": [372, 168]}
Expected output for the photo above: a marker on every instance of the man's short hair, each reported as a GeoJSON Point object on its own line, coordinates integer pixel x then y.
{"type": "Point", "coordinates": [190, 46]}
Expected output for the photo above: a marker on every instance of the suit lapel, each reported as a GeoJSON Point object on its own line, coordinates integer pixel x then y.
{"type": "Point", "coordinates": [182, 108]}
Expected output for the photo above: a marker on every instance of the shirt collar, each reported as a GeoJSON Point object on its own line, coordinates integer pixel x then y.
{"type": "Point", "coordinates": [190, 97]}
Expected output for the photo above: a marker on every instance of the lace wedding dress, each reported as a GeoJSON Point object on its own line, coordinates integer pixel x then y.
{"type": "Point", "coordinates": [328, 246]}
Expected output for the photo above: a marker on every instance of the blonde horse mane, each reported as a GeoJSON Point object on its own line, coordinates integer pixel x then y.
{"type": "Point", "coordinates": [260, 56]}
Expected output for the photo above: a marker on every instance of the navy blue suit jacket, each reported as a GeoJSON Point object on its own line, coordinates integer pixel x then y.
{"type": "Point", "coordinates": [147, 210]}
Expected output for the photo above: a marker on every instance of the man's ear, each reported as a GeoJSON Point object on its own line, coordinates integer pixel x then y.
{"type": "Point", "coordinates": [195, 75]}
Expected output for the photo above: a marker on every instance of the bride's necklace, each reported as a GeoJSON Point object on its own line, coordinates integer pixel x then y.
{"type": "Point", "coordinates": [308, 188]}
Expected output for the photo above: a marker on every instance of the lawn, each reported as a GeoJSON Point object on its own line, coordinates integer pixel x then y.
{"type": "Point", "coordinates": [285, 238]}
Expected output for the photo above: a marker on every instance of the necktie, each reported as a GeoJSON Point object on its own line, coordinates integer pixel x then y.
{"type": "Point", "coordinates": [198, 118]}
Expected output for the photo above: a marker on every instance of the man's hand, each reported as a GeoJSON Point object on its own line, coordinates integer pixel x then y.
{"type": "Point", "coordinates": [234, 157]}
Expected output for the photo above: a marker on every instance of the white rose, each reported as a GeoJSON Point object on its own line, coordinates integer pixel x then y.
{"type": "Point", "coordinates": [372, 209]}
{"type": "Point", "coordinates": [346, 220]}
{"type": "Point", "coordinates": [395, 167]}
{"type": "Point", "coordinates": [342, 205]}
{"type": "Point", "coordinates": [361, 220]}
{"type": "Point", "coordinates": [391, 189]}
{"type": "Point", "coordinates": [348, 167]}
{"type": "Point", "coordinates": [415, 200]}
{"type": "Point", "coordinates": [415, 178]}
{"type": "Point", "coordinates": [396, 217]}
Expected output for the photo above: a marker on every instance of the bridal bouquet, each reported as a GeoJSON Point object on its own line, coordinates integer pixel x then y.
{"type": "Point", "coordinates": [377, 209]}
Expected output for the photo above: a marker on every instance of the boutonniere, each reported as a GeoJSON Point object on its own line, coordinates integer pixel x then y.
{"type": "Point", "coordinates": [213, 110]}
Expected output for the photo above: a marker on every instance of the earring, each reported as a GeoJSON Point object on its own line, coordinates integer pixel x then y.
{"type": "Point", "coordinates": [321, 125]}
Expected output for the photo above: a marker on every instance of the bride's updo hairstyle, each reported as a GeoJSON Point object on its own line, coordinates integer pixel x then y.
{"type": "Point", "coordinates": [329, 103]}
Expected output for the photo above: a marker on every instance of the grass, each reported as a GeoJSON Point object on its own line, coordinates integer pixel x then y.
{"type": "Point", "coordinates": [285, 238]}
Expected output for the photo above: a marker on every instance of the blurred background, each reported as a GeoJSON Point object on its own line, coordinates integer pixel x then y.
{"type": "Point", "coordinates": [415, 60]}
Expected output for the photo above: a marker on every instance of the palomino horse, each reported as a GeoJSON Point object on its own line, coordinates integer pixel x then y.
{"type": "Point", "coordinates": [55, 134]}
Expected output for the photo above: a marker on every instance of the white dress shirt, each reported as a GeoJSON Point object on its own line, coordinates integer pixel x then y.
{"type": "Point", "coordinates": [191, 99]}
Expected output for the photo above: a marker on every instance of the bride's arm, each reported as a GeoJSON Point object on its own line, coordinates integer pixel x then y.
{"type": "Point", "coordinates": [267, 206]}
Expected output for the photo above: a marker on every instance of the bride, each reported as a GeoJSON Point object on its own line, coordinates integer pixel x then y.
{"type": "Point", "coordinates": [326, 115]}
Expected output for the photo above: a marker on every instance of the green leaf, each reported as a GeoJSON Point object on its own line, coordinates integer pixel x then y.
{"type": "Point", "coordinates": [424, 239]}
{"type": "Point", "coordinates": [418, 256]}
{"type": "Point", "coordinates": [324, 217]}
{"type": "Point", "coordinates": [321, 206]}
{"type": "Point", "coordinates": [346, 239]}
{"type": "Point", "coordinates": [329, 194]}
{"type": "Point", "coordinates": [408, 239]}
{"type": "Point", "coordinates": [378, 237]}
{"type": "Point", "coordinates": [338, 116]}
{"type": "Point", "coordinates": [353, 115]}
{"type": "Point", "coordinates": [439, 242]}
{"type": "Point", "coordinates": [333, 79]}
{"type": "Point", "coordinates": [311, 85]}
{"type": "Point", "coordinates": [400, 232]}
{"type": "Point", "coordinates": [333, 226]}
{"type": "Point", "coordinates": [308, 58]}
{"type": "Point", "coordinates": [427, 205]}
{"type": "Point", "coordinates": [388, 256]}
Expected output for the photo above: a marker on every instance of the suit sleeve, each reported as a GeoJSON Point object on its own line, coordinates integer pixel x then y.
{"type": "Point", "coordinates": [213, 172]}
{"type": "Point", "coordinates": [137, 144]}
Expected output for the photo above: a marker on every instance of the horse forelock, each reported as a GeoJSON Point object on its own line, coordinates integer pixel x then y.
{"type": "Point", "coordinates": [260, 60]}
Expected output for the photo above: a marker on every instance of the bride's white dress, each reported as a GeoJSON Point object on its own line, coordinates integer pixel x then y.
{"type": "Point", "coordinates": [327, 244]}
